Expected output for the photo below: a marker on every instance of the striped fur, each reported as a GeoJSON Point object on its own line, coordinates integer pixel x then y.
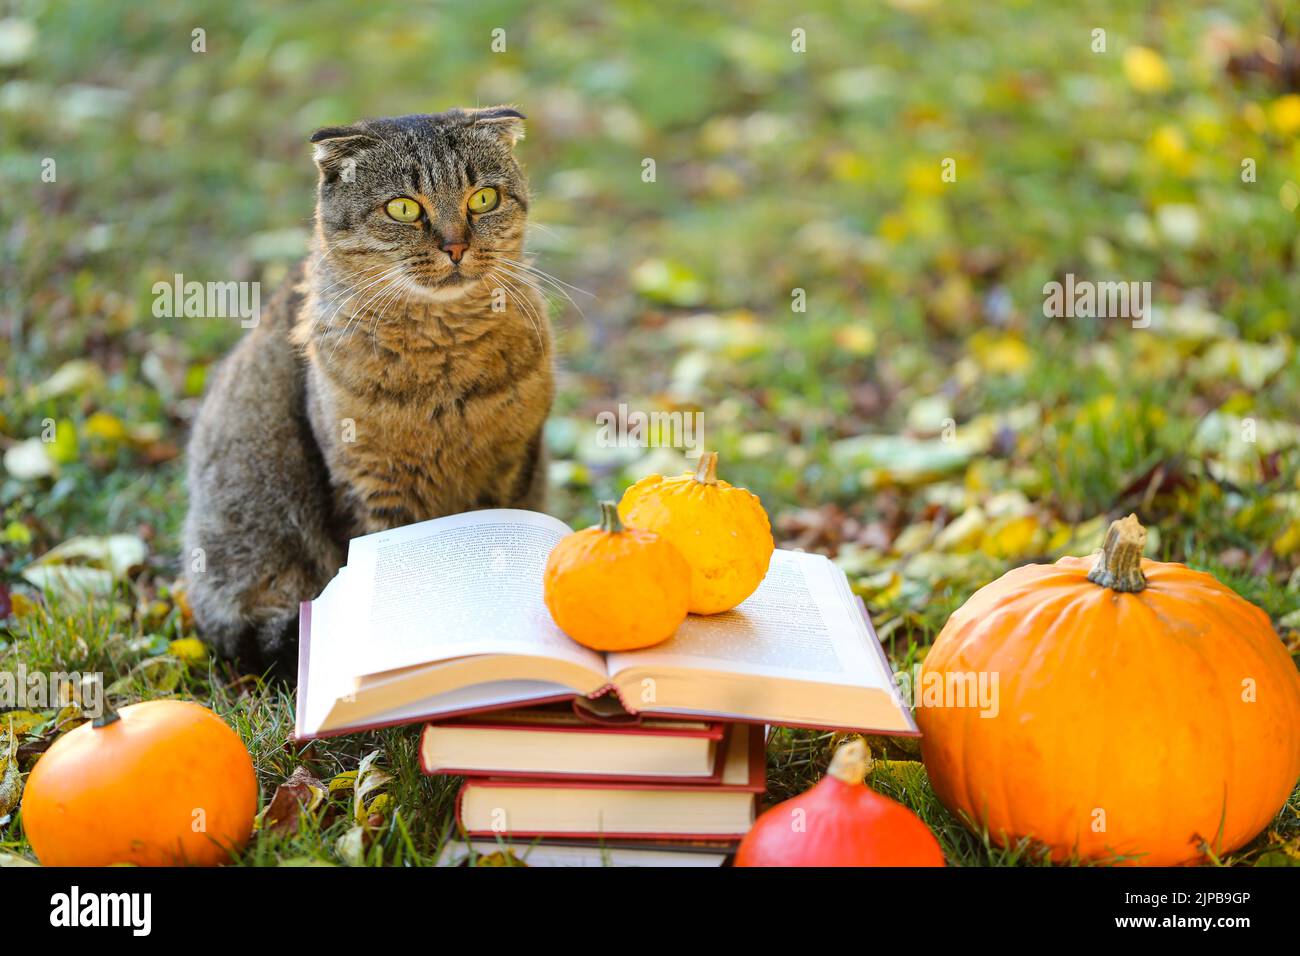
{"type": "Point", "coordinates": [384, 385]}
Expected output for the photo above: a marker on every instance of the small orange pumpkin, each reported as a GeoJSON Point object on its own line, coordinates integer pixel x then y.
{"type": "Point", "coordinates": [612, 588]}
{"type": "Point", "coordinates": [721, 531]}
{"type": "Point", "coordinates": [840, 822]}
{"type": "Point", "coordinates": [1145, 711]}
{"type": "Point", "coordinates": [160, 783]}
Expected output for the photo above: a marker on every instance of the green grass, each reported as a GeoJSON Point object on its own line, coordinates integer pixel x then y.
{"type": "Point", "coordinates": [775, 171]}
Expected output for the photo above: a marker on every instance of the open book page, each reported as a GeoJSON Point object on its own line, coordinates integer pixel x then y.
{"type": "Point", "coordinates": [329, 698]}
{"type": "Point", "coordinates": [801, 624]}
{"type": "Point", "coordinates": [468, 584]}
{"type": "Point", "coordinates": [329, 674]}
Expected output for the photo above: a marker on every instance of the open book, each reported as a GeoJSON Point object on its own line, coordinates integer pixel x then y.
{"type": "Point", "coordinates": [446, 617]}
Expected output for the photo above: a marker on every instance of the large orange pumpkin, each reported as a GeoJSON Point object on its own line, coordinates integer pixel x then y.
{"type": "Point", "coordinates": [721, 531]}
{"type": "Point", "coordinates": [161, 783]}
{"type": "Point", "coordinates": [1145, 712]}
{"type": "Point", "coordinates": [612, 588]}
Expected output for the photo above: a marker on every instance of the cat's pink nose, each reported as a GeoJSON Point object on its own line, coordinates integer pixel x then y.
{"type": "Point", "coordinates": [455, 249]}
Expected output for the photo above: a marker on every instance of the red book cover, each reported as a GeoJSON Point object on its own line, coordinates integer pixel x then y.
{"type": "Point", "coordinates": [552, 720]}
{"type": "Point", "coordinates": [564, 720]}
{"type": "Point", "coordinates": [755, 784]}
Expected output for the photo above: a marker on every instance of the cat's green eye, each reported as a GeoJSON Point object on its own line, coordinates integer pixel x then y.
{"type": "Point", "coordinates": [484, 200]}
{"type": "Point", "coordinates": [403, 209]}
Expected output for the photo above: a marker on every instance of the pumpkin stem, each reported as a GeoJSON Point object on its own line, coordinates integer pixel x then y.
{"type": "Point", "coordinates": [109, 716]}
{"type": "Point", "coordinates": [609, 518]}
{"type": "Point", "coordinates": [706, 472]}
{"type": "Point", "coordinates": [851, 763]}
{"type": "Point", "coordinates": [1119, 566]}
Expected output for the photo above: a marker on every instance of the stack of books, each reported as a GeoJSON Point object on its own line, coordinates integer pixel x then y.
{"type": "Point", "coordinates": [569, 756]}
{"type": "Point", "coordinates": [544, 783]}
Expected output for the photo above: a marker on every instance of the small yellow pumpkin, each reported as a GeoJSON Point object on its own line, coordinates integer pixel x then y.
{"type": "Point", "coordinates": [612, 588]}
{"type": "Point", "coordinates": [723, 532]}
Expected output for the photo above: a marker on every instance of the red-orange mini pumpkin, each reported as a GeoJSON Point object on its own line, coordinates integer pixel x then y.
{"type": "Point", "coordinates": [161, 783]}
{"type": "Point", "coordinates": [612, 588]}
{"type": "Point", "coordinates": [1143, 710]}
{"type": "Point", "coordinates": [840, 821]}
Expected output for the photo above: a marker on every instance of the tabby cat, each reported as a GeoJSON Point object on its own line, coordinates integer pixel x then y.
{"type": "Point", "coordinates": [403, 372]}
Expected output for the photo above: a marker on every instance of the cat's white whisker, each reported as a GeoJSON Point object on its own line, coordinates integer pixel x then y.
{"type": "Point", "coordinates": [327, 325]}
{"type": "Point", "coordinates": [521, 300]}
{"type": "Point", "coordinates": [533, 282]}
{"type": "Point", "coordinates": [355, 315]}
{"type": "Point", "coordinates": [545, 285]}
{"type": "Point", "coordinates": [541, 273]}
{"type": "Point", "coordinates": [541, 228]}
{"type": "Point", "coordinates": [404, 285]}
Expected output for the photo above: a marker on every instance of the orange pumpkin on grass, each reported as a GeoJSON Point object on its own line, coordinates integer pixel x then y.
{"type": "Point", "coordinates": [612, 588]}
{"type": "Point", "coordinates": [161, 783]}
{"type": "Point", "coordinates": [1146, 713]}
{"type": "Point", "coordinates": [721, 531]}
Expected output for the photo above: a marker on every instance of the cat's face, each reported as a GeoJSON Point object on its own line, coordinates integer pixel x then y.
{"type": "Point", "coordinates": [430, 205]}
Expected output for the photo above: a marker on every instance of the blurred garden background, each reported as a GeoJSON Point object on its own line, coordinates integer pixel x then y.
{"type": "Point", "coordinates": [921, 421]}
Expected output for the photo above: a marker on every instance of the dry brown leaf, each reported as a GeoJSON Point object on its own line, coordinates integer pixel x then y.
{"type": "Point", "coordinates": [300, 793]}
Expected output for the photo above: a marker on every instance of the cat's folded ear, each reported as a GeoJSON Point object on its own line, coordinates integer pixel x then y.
{"type": "Point", "coordinates": [335, 148]}
{"type": "Point", "coordinates": [506, 121]}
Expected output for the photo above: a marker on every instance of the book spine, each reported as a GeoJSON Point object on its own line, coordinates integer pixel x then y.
{"type": "Point", "coordinates": [576, 778]}
{"type": "Point", "coordinates": [597, 835]}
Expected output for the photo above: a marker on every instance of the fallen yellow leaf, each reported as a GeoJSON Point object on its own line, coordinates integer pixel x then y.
{"type": "Point", "coordinates": [1146, 70]}
{"type": "Point", "coordinates": [1014, 537]}
{"type": "Point", "coordinates": [21, 606]}
{"type": "Point", "coordinates": [1284, 114]}
{"type": "Point", "coordinates": [105, 427]}
{"type": "Point", "coordinates": [189, 649]}
{"type": "Point", "coordinates": [1000, 354]}
{"type": "Point", "coordinates": [964, 532]}
{"type": "Point", "coordinates": [1288, 541]}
